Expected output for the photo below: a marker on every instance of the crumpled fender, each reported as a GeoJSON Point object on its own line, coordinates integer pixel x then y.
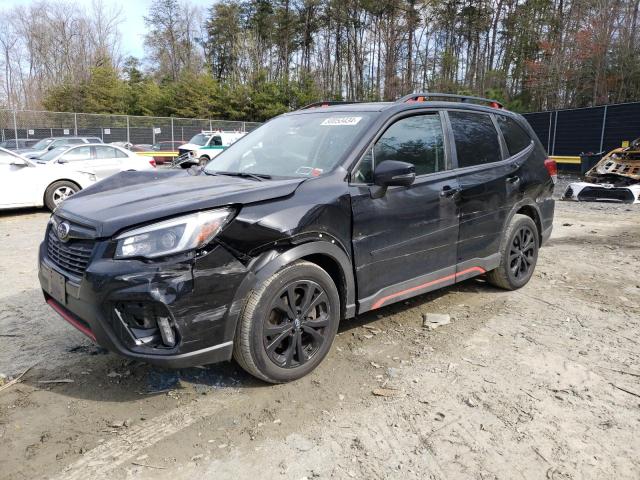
{"type": "Point", "coordinates": [271, 261]}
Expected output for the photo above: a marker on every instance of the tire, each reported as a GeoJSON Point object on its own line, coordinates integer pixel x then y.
{"type": "Point", "coordinates": [203, 160]}
{"type": "Point", "coordinates": [58, 191]}
{"type": "Point", "coordinates": [518, 254]}
{"type": "Point", "coordinates": [295, 346]}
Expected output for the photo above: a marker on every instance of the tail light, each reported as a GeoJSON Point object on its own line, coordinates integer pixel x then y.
{"type": "Point", "coordinates": [552, 167]}
{"type": "Point", "coordinates": [152, 162]}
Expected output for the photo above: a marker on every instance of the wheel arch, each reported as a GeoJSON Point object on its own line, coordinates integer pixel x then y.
{"type": "Point", "coordinates": [532, 211]}
{"type": "Point", "coordinates": [529, 208]}
{"type": "Point", "coordinates": [328, 256]}
{"type": "Point", "coordinates": [44, 194]}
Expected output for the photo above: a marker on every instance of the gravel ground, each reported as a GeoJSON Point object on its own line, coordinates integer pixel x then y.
{"type": "Point", "coordinates": [543, 382]}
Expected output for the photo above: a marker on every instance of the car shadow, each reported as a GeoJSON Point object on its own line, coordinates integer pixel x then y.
{"type": "Point", "coordinates": [92, 373]}
{"type": "Point", "coordinates": [22, 212]}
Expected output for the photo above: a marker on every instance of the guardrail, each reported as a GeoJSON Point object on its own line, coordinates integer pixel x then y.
{"type": "Point", "coordinates": [566, 160]}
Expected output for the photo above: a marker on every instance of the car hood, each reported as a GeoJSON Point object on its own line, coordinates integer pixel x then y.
{"type": "Point", "coordinates": [131, 198]}
{"type": "Point", "coordinates": [190, 146]}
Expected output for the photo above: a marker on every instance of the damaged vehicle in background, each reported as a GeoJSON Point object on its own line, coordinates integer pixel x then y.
{"type": "Point", "coordinates": [205, 146]}
{"type": "Point", "coordinates": [615, 178]}
{"type": "Point", "coordinates": [316, 216]}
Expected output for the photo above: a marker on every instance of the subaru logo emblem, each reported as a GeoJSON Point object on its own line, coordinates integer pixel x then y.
{"type": "Point", "coordinates": [62, 230]}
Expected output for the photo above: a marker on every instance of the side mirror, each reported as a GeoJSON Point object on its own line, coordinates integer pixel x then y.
{"type": "Point", "coordinates": [18, 162]}
{"type": "Point", "coordinates": [62, 160]}
{"type": "Point", "coordinates": [394, 173]}
{"type": "Point", "coordinates": [51, 147]}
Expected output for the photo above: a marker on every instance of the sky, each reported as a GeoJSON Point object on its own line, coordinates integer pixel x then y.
{"type": "Point", "coordinates": [132, 29]}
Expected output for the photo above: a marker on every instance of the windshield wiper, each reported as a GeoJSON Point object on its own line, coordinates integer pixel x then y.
{"type": "Point", "coordinates": [256, 176]}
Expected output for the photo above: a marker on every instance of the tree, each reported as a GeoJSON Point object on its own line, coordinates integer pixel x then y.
{"type": "Point", "coordinates": [171, 38]}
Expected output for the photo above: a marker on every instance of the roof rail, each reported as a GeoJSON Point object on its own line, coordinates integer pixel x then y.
{"type": "Point", "coordinates": [421, 97]}
{"type": "Point", "coordinates": [325, 104]}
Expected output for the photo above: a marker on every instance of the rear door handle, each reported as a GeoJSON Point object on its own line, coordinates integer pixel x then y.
{"type": "Point", "coordinates": [448, 192]}
{"type": "Point", "coordinates": [514, 179]}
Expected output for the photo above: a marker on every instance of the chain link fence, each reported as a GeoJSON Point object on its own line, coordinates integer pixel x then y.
{"type": "Point", "coordinates": [27, 124]}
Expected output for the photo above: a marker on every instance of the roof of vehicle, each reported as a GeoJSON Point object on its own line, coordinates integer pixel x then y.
{"type": "Point", "coordinates": [414, 100]}
{"type": "Point", "coordinates": [69, 137]}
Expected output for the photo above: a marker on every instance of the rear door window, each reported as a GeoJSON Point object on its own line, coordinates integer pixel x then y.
{"type": "Point", "coordinates": [516, 138]}
{"type": "Point", "coordinates": [105, 152]}
{"type": "Point", "coordinates": [476, 139]}
{"type": "Point", "coordinates": [77, 154]}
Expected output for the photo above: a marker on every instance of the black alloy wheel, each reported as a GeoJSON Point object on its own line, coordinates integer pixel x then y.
{"type": "Point", "coordinates": [288, 323]}
{"type": "Point", "coordinates": [518, 254]}
{"type": "Point", "coordinates": [522, 253]}
{"type": "Point", "coordinates": [297, 325]}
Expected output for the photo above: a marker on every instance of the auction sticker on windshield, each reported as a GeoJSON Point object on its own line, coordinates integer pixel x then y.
{"type": "Point", "coordinates": [337, 121]}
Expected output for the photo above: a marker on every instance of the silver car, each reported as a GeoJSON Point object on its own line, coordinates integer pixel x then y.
{"type": "Point", "coordinates": [46, 144]}
{"type": "Point", "coordinates": [99, 159]}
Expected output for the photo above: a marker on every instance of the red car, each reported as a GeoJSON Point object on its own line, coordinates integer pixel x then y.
{"type": "Point", "coordinates": [165, 147]}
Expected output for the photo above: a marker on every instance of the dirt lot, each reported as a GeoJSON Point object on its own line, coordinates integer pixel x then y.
{"type": "Point", "coordinates": [539, 383]}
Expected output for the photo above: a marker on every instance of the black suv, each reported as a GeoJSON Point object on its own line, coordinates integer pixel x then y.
{"type": "Point", "coordinates": [318, 215]}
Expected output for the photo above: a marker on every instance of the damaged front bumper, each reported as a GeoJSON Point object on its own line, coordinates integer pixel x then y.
{"type": "Point", "coordinates": [124, 305]}
{"type": "Point", "coordinates": [615, 178]}
{"type": "Point", "coordinates": [602, 192]}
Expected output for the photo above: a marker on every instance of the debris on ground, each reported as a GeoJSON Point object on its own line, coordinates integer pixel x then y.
{"type": "Point", "coordinates": [432, 321]}
{"type": "Point", "coordinates": [615, 178]}
{"type": "Point", "coordinates": [15, 380]}
{"type": "Point", "coordinates": [386, 392]}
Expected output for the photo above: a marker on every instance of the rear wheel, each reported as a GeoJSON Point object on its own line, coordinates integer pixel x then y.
{"type": "Point", "coordinates": [288, 324]}
{"type": "Point", "coordinates": [57, 192]}
{"type": "Point", "coordinates": [518, 254]}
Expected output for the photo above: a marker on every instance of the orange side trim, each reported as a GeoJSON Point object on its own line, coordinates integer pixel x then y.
{"type": "Point", "coordinates": [383, 300]}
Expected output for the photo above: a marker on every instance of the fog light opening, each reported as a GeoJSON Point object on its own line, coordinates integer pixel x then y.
{"type": "Point", "coordinates": [166, 332]}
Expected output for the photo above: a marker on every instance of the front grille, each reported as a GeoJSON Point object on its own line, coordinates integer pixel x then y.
{"type": "Point", "coordinates": [182, 151]}
{"type": "Point", "coordinates": [611, 194]}
{"type": "Point", "coordinates": [72, 256]}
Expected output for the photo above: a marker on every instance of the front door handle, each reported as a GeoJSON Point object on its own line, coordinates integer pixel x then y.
{"type": "Point", "coordinates": [449, 192]}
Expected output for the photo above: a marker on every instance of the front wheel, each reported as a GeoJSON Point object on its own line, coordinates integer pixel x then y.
{"type": "Point", "coordinates": [288, 324]}
{"type": "Point", "coordinates": [57, 192]}
{"type": "Point", "coordinates": [203, 160]}
{"type": "Point", "coordinates": [518, 254]}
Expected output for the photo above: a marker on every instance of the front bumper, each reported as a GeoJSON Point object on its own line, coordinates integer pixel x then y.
{"type": "Point", "coordinates": [199, 295]}
{"type": "Point", "coordinates": [599, 192]}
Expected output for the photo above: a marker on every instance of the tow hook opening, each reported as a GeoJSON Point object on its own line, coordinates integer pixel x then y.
{"type": "Point", "coordinates": [148, 324]}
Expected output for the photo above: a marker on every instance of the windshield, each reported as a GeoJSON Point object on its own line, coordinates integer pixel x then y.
{"type": "Point", "coordinates": [51, 154]}
{"type": "Point", "coordinates": [200, 139]}
{"type": "Point", "coordinates": [303, 145]}
{"type": "Point", "coordinates": [42, 144]}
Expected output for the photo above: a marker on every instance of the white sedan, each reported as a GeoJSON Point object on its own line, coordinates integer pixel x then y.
{"type": "Point", "coordinates": [61, 172]}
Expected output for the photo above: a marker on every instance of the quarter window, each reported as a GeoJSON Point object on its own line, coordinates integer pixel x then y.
{"type": "Point", "coordinates": [514, 135]}
{"type": "Point", "coordinates": [476, 139]}
{"type": "Point", "coordinates": [418, 140]}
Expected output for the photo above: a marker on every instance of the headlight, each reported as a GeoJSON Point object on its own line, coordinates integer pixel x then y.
{"type": "Point", "coordinates": [180, 234]}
